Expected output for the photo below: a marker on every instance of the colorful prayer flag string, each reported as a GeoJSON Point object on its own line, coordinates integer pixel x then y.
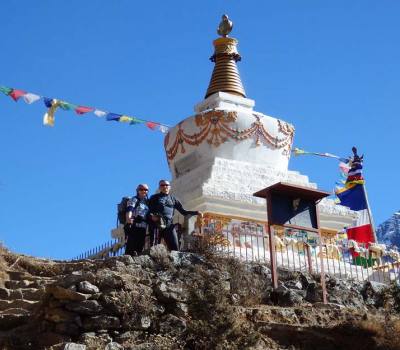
{"type": "Point", "coordinates": [53, 104]}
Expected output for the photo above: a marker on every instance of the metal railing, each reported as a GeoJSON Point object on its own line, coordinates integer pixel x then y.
{"type": "Point", "coordinates": [248, 241]}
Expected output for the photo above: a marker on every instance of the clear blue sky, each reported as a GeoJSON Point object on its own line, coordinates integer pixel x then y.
{"type": "Point", "coordinates": [329, 68]}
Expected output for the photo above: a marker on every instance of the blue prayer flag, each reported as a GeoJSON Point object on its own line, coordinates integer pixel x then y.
{"type": "Point", "coordinates": [353, 197]}
{"type": "Point", "coordinates": [113, 116]}
{"type": "Point", "coordinates": [48, 102]}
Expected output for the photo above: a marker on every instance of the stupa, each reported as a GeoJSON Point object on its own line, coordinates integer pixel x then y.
{"type": "Point", "coordinates": [226, 151]}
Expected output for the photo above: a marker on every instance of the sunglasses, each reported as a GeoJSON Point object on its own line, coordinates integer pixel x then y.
{"type": "Point", "coordinates": [143, 189]}
{"type": "Point", "coordinates": [165, 185]}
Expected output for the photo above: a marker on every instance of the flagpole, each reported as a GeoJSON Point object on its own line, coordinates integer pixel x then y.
{"type": "Point", "coordinates": [371, 220]}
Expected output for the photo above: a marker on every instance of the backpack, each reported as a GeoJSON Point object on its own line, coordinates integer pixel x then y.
{"type": "Point", "coordinates": [122, 209]}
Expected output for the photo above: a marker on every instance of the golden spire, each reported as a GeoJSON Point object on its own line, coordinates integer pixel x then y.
{"type": "Point", "coordinates": [225, 76]}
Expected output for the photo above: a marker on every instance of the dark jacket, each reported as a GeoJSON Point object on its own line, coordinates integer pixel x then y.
{"type": "Point", "coordinates": [165, 205]}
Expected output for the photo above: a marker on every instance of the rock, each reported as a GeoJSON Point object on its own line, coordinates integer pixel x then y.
{"type": "Point", "coordinates": [305, 280]}
{"type": "Point", "coordinates": [17, 284]}
{"type": "Point", "coordinates": [115, 263]}
{"type": "Point", "coordinates": [113, 346]}
{"type": "Point", "coordinates": [86, 307]}
{"type": "Point", "coordinates": [92, 341]}
{"type": "Point", "coordinates": [107, 279]}
{"type": "Point", "coordinates": [10, 320]}
{"type": "Point", "coordinates": [74, 346]}
{"type": "Point", "coordinates": [144, 261]}
{"type": "Point", "coordinates": [294, 284]}
{"type": "Point", "coordinates": [172, 325]}
{"type": "Point", "coordinates": [160, 255]}
{"type": "Point", "coordinates": [284, 296]}
{"type": "Point", "coordinates": [65, 294]}
{"type": "Point", "coordinates": [73, 278]}
{"type": "Point", "coordinates": [18, 304]}
{"type": "Point", "coordinates": [58, 315]}
{"type": "Point", "coordinates": [5, 293]}
{"type": "Point", "coordinates": [145, 322]}
{"type": "Point", "coordinates": [129, 336]}
{"type": "Point", "coordinates": [126, 259]}
{"type": "Point", "coordinates": [185, 259]}
{"type": "Point", "coordinates": [313, 293]}
{"type": "Point", "coordinates": [373, 293]}
{"type": "Point", "coordinates": [101, 322]}
{"type": "Point", "coordinates": [33, 293]}
{"type": "Point", "coordinates": [330, 306]}
{"type": "Point", "coordinates": [67, 328]}
{"type": "Point", "coordinates": [262, 270]}
{"type": "Point", "coordinates": [169, 292]}
{"type": "Point", "coordinates": [181, 309]}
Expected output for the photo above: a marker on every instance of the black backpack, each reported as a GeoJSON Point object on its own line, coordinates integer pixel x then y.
{"type": "Point", "coordinates": [122, 209]}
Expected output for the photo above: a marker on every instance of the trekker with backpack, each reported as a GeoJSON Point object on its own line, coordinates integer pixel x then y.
{"type": "Point", "coordinates": [161, 212]}
{"type": "Point", "coordinates": [135, 224]}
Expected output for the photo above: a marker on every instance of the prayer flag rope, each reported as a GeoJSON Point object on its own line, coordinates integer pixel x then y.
{"type": "Point", "coordinates": [53, 104]}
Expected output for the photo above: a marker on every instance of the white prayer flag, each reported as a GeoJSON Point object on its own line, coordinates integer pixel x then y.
{"type": "Point", "coordinates": [164, 129]}
{"type": "Point", "coordinates": [100, 113]}
{"type": "Point", "coordinates": [30, 98]}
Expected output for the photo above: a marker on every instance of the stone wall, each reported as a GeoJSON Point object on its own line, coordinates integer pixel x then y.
{"type": "Point", "coordinates": [174, 301]}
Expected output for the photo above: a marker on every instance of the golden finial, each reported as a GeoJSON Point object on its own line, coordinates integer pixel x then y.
{"type": "Point", "coordinates": [225, 26]}
{"type": "Point", "coordinates": [225, 76]}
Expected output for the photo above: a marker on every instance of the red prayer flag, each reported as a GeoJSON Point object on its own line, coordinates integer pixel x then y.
{"type": "Point", "coordinates": [16, 94]}
{"type": "Point", "coordinates": [151, 125]}
{"type": "Point", "coordinates": [83, 109]}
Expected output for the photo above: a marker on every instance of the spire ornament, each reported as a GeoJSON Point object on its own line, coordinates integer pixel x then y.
{"type": "Point", "coordinates": [225, 26]}
{"type": "Point", "coordinates": [225, 76]}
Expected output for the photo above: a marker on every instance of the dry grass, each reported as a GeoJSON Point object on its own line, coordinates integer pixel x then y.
{"type": "Point", "coordinates": [215, 324]}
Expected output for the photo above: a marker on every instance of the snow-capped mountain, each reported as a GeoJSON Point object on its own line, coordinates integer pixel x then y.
{"type": "Point", "coordinates": [388, 232]}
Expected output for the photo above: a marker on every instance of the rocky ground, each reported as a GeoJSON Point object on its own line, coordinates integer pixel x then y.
{"type": "Point", "coordinates": [186, 301]}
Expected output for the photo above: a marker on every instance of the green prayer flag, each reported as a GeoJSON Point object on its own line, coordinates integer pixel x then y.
{"type": "Point", "coordinates": [136, 121]}
{"type": "Point", "coordinates": [66, 106]}
{"type": "Point", "coordinates": [5, 90]}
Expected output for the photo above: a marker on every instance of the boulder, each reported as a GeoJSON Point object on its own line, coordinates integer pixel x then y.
{"type": "Point", "coordinates": [87, 287]}
{"type": "Point", "coordinates": [170, 292]}
{"type": "Point", "coordinates": [373, 293]}
{"type": "Point", "coordinates": [101, 322]}
{"type": "Point", "coordinates": [313, 293]}
{"type": "Point", "coordinates": [58, 315]}
{"type": "Point", "coordinates": [113, 346]}
{"type": "Point", "coordinates": [65, 294]}
{"type": "Point", "coordinates": [86, 307]}
{"type": "Point", "coordinates": [74, 346]}
{"type": "Point", "coordinates": [172, 325]}
{"type": "Point", "coordinates": [160, 255]}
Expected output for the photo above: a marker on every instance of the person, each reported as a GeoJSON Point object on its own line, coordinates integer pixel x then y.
{"type": "Point", "coordinates": [161, 212]}
{"type": "Point", "coordinates": [136, 225]}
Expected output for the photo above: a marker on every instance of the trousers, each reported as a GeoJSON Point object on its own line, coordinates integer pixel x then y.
{"type": "Point", "coordinates": [168, 234]}
{"type": "Point", "coordinates": [135, 239]}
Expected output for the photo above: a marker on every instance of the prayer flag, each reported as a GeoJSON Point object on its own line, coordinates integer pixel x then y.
{"type": "Point", "coordinates": [113, 116]}
{"type": "Point", "coordinates": [5, 90]}
{"type": "Point", "coordinates": [16, 94]}
{"type": "Point", "coordinates": [30, 98]}
{"type": "Point", "coordinates": [49, 118]}
{"type": "Point", "coordinates": [66, 106]}
{"type": "Point", "coordinates": [136, 121]}
{"type": "Point", "coordinates": [353, 197]}
{"type": "Point", "coordinates": [125, 119]}
{"type": "Point", "coordinates": [100, 113]}
{"type": "Point", "coordinates": [151, 125]}
{"type": "Point", "coordinates": [48, 102]}
{"type": "Point", "coordinates": [164, 129]}
{"type": "Point", "coordinates": [83, 109]}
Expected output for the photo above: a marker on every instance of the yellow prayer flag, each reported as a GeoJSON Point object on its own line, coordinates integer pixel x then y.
{"type": "Point", "coordinates": [48, 118]}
